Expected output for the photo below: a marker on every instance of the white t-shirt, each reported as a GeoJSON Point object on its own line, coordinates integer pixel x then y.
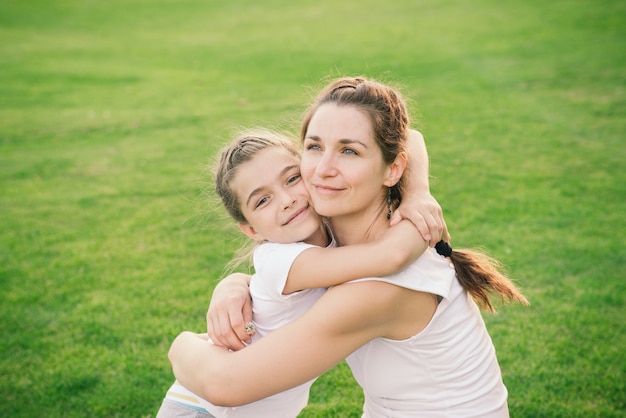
{"type": "Point", "coordinates": [270, 311]}
{"type": "Point", "coordinates": [448, 370]}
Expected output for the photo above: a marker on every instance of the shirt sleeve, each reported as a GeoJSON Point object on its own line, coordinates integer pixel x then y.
{"type": "Point", "coordinates": [272, 263]}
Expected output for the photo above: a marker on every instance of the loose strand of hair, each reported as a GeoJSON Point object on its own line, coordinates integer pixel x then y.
{"type": "Point", "coordinates": [242, 259]}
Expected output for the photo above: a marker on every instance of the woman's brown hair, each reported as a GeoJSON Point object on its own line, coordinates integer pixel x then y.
{"type": "Point", "coordinates": [479, 274]}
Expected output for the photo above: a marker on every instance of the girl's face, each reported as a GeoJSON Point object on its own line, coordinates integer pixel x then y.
{"type": "Point", "coordinates": [274, 200]}
{"type": "Point", "coordinates": [342, 165]}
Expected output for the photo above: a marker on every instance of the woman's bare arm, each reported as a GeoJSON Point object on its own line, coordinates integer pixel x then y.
{"type": "Point", "coordinates": [346, 317]}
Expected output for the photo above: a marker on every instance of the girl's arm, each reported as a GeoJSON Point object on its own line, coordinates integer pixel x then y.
{"type": "Point", "coordinates": [344, 318]}
{"type": "Point", "coordinates": [325, 267]}
{"type": "Point", "coordinates": [230, 306]}
{"type": "Point", "coordinates": [418, 205]}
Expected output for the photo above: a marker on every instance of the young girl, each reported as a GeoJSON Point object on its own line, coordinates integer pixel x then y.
{"type": "Point", "coordinates": [415, 341]}
{"type": "Point", "coordinates": [258, 180]}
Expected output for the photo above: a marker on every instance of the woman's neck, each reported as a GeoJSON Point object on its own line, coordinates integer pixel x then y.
{"type": "Point", "coordinates": [320, 238]}
{"type": "Point", "coordinates": [359, 228]}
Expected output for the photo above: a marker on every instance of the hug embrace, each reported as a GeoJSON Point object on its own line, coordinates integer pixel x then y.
{"type": "Point", "coordinates": [343, 269]}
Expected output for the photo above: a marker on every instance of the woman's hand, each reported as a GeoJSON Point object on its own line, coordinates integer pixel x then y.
{"type": "Point", "coordinates": [425, 213]}
{"type": "Point", "coordinates": [229, 311]}
{"type": "Point", "coordinates": [189, 358]}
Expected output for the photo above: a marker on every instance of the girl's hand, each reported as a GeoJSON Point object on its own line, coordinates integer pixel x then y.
{"type": "Point", "coordinates": [425, 213]}
{"type": "Point", "coordinates": [404, 244]}
{"type": "Point", "coordinates": [229, 312]}
{"type": "Point", "coordinates": [418, 205]}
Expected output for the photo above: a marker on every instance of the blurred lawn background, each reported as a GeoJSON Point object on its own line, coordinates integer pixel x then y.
{"type": "Point", "coordinates": [109, 111]}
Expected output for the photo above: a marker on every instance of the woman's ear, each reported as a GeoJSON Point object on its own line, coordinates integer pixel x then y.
{"type": "Point", "coordinates": [249, 231]}
{"type": "Point", "coordinates": [396, 169]}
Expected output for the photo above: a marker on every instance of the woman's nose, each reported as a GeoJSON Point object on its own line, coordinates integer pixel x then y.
{"type": "Point", "coordinates": [326, 165]}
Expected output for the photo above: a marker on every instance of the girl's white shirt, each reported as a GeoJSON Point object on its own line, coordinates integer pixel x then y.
{"type": "Point", "coordinates": [270, 311]}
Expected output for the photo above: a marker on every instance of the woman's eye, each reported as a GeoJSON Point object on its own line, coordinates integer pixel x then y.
{"type": "Point", "coordinates": [350, 151]}
{"type": "Point", "coordinates": [312, 147]}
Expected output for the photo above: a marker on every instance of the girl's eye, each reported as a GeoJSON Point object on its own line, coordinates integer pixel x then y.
{"type": "Point", "coordinates": [261, 202]}
{"type": "Point", "coordinates": [293, 178]}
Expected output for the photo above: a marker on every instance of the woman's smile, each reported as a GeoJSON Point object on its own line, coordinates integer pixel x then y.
{"type": "Point", "coordinates": [326, 191]}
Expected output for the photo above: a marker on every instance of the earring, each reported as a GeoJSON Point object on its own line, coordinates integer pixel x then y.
{"type": "Point", "coordinates": [389, 203]}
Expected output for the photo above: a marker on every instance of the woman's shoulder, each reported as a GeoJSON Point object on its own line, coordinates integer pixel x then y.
{"type": "Point", "coordinates": [430, 273]}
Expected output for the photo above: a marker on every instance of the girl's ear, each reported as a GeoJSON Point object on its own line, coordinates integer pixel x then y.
{"type": "Point", "coordinates": [395, 170]}
{"type": "Point", "coordinates": [249, 231]}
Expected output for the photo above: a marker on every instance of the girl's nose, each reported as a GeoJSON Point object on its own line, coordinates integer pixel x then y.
{"type": "Point", "coordinates": [289, 204]}
{"type": "Point", "coordinates": [287, 200]}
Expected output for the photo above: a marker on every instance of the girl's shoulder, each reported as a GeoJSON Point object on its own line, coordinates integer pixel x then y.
{"type": "Point", "coordinates": [271, 253]}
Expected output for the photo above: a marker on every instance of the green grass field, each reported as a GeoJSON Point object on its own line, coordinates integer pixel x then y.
{"type": "Point", "coordinates": [110, 110]}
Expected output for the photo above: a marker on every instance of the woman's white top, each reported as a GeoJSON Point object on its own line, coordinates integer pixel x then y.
{"type": "Point", "coordinates": [448, 370]}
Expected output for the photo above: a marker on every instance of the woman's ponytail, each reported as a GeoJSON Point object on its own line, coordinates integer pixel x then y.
{"type": "Point", "coordinates": [480, 276]}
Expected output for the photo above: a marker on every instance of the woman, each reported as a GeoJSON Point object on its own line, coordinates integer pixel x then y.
{"type": "Point", "coordinates": [415, 342]}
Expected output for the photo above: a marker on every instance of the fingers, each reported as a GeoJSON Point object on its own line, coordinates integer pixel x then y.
{"type": "Point", "coordinates": [429, 223]}
{"type": "Point", "coordinates": [224, 335]}
{"type": "Point", "coordinates": [247, 316]}
{"type": "Point", "coordinates": [395, 218]}
{"type": "Point", "coordinates": [427, 216]}
{"type": "Point", "coordinates": [237, 324]}
{"type": "Point", "coordinates": [227, 329]}
{"type": "Point", "coordinates": [446, 234]}
{"type": "Point", "coordinates": [423, 228]}
{"type": "Point", "coordinates": [435, 229]}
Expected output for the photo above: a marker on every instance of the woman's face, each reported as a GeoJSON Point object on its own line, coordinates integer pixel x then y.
{"type": "Point", "coordinates": [342, 166]}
